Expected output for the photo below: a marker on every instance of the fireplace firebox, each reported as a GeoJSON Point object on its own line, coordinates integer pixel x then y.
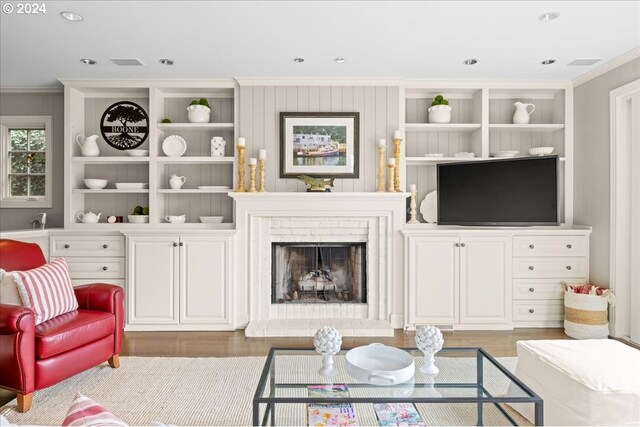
{"type": "Point", "coordinates": [318, 273]}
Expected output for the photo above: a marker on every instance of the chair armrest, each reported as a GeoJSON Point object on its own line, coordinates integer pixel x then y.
{"type": "Point", "coordinates": [17, 348]}
{"type": "Point", "coordinates": [104, 297]}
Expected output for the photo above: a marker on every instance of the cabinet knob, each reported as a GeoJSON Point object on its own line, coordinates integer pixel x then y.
{"type": "Point", "coordinates": [66, 246]}
{"type": "Point", "coordinates": [105, 246]}
{"type": "Point", "coordinates": [531, 310]}
{"type": "Point", "coordinates": [463, 244]}
{"type": "Point", "coordinates": [531, 246]}
{"type": "Point", "coordinates": [568, 267]}
{"type": "Point", "coordinates": [457, 245]}
{"type": "Point", "coordinates": [105, 268]}
{"type": "Point", "coordinates": [531, 267]}
{"type": "Point", "coordinates": [181, 243]}
{"type": "Point", "coordinates": [531, 289]}
{"type": "Point", "coordinates": [569, 246]}
{"type": "Point", "coordinates": [175, 244]}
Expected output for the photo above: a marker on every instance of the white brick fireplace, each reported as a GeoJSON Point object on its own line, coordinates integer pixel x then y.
{"type": "Point", "coordinates": [373, 218]}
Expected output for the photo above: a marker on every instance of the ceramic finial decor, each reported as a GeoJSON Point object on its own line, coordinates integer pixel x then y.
{"type": "Point", "coordinates": [429, 340]}
{"type": "Point", "coordinates": [327, 341]}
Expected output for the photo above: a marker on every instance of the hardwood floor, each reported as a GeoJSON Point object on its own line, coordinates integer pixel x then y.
{"type": "Point", "coordinates": [235, 344]}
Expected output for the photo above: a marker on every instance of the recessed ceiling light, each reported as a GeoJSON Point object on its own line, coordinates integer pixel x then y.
{"type": "Point", "coordinates": [87, 61]}
{"type": "Point", "coordinates": [167, 61]}
{"type": "Point", "coordinates": [339, 60]}
{"type": "Point", "coordinates": [470, 61]}
{"type": "Point", "coordinates": [548, 16]}
{"type": "Point", "coordinates": [548, 61]}
{"type": "Point", "coordinates": [71, 16]}
{"type": "Point", "coordinates": [298, 59]}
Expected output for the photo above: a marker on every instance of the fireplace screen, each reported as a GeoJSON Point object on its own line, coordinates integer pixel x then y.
{"type": "Point", "coordinates": [329, 273]}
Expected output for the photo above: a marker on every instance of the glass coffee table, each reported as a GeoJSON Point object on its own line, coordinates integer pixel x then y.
{"type": "Point", "coordinates": [472, 388]}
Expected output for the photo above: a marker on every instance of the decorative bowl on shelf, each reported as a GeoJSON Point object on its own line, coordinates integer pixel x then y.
{"type": "Point", "coordinates": [379, 364]}
{"type": "Point", "coordinates": [211, 219]}
{"type": "Point", "coordinates": [96, 184]}
{"type": "Point", "coordinates": [434, 155]}
{"type": "Point", "coordinates": [138, 219]}
{"type": "Point", "coordinates": [174, 146]}
{"type": "Point", "coordinates": [131, 185]}
{"type": "Point", "coordinates": [138, 153]}
{"type": "Point", "coordinates": [439, 114]}
{"type": "Point", "coordinates": [176, 219]}
{"type": "Point", "coordinates": [429, 207]}
{"type": "Point", "coordinates": [198, 113]}
{"type": "Point", "coordinates": [504, 153]}
{"type": "Point", "coordinates": [464, 154]}
{"type": "Point", "coordinates": [541, 151]}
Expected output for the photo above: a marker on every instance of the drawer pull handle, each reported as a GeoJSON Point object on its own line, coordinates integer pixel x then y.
{"type": "Point", "coordinates": [66, 246]}
{"type": "Point", "coordinates": [531, 290]}
{"type": "Point", "coordinates": [531, 267]}
{"type": "Point", "coordinates": [569, 246]}
{"type": "Point", "coordinates": [457, 245]}
{"type": "Point", "coordinates": [531, 246]}
{"type": "Point", "coordinates": [175, 244]}
{"type": "Point", "coordinates": [531, 310]}
{"type": "Point", "coordinates": [463, 244]}
{"type": "Point", "coordinates": [568, 267]}
{"type": "Point", "coordinates": [105, 246]}
{"type": "Point", "coordinates": [105, 268]}
{"type": "Point", "coordinates": [181, 243]}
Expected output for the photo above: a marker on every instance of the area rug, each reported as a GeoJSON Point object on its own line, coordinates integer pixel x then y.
{"type": "Point", "coordinates": [219, 392]}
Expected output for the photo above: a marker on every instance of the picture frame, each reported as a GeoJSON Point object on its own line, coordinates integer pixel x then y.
{"type": "Point", "coordinates": [320, 145]}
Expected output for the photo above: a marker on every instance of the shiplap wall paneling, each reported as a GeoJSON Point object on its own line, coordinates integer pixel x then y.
{"type": "Point", "coordinates": [466, 107]}
{"type": "Point", "coordinates": [194, 206]}
{"type": "Point", "coordinates": [94, 108]}
{"type": "Point", "coordinates": [198, 141]}
{"type": "Point", "coordinates": [175, 109]}
{"type": "Point", "coordinates": [112, 204]}
{"type": "Point", "coordinates": [196, 175]}
{"type": "Point", "coordinates": [259, 123]}
{"type": "Point", "coordinates": [39, 104]}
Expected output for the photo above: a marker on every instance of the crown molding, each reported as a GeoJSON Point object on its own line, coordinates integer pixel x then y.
{"type": "Point", "coordinates": [31, 89]}
{"type": "Point", "coordinates": [607, 66]}
{"type": "Point", "coordinates": [310, 81]}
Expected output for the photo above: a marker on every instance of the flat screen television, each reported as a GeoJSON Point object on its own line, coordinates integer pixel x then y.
{"type": "Point", "coordinates": [501, 192]}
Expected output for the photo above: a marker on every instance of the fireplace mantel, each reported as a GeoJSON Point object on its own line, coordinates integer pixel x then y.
{"type": "Point", "coordinates": [265, 218]}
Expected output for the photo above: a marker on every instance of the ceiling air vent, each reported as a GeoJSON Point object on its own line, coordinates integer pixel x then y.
{"type": "Point", "coordinates": [127, 62]}
{"type": "Point", "coordinates": [584, 61]}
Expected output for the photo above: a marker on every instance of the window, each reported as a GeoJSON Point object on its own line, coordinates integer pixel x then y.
{"type": "Point", "coordinates": [26, 161]}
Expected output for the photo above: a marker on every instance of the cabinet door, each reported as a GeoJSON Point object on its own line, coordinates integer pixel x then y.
{"type": "Point", "coordinates": [485, 279]}
{"type": "Point", "coordinates": [205, 280]}
{"type": "Point", "coordinates": [152, 280]}
{"type": "Point", "coordinates": [433, 280]}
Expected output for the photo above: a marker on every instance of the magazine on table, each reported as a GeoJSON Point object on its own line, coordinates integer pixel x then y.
{"type": "Point", "coordinates": [398, 414]}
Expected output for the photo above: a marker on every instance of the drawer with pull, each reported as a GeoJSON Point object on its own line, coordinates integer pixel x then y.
{"type": "Point", "coordinates": [551, 246]}
{"type": "Point", "coordinates": [91, 268]}
{"type": "Point", "coordinates": [549, 267]}
{"type": "Point", "coordinates": [87, 246]}
{"type": "Point", "coordinates": [540, 289]}
{"type": "Point", "coordinates": [532, 311]}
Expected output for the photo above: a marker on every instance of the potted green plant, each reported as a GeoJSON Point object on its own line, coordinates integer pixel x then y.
{"type": "Point", "coordinates": [199, 111]}
{"type": "Point", "coordinates": [440, 111]}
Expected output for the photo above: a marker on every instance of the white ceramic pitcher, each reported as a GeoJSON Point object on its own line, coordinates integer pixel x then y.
{"type": "Point", "coordinates": [89, 217]}
{"type": "Point", "coordinates": [175, 181]}
{"type": "Point", "coordinates": [90, 146]}
{"type": "Point", "coordinates": [522, 114]}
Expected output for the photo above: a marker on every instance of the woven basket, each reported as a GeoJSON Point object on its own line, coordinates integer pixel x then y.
{"type": "Point", "coordinates": [585, 316]}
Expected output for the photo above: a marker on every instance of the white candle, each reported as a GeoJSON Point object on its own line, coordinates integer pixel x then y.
{"type": "Point", "coordinates": [413, 188]}
{"type": "Point", "coordinates": [241, 142]}
{"type": "Point", "coordinates": [392, 161]}
{"type": "Point", "coordinates": [253, 161]}
{"type": "Point", "coordinates": [382, 143]}
{"type": "Point", "coordinates": [397, 134]}
{"type": "Point", "coordinates": [262, 154]}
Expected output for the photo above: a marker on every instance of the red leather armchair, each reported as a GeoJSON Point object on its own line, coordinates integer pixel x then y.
{"type": "Point", "coordinates": [34, 357]}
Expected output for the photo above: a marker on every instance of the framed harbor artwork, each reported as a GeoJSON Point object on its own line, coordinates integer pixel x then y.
{"type": "Point", "coordinates": [319, 144]}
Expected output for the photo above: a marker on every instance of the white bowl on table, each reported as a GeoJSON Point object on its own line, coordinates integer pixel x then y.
{"type": "Point", "coordinates": [379, 364]}
{"type": "Point", "coordinates": [541, 151]}
{"type": "Point", "coordinates": [96, 184]}
{"type": "Point", "coordinates": [138, 219]}
{"type": "Point", "coordinates": [211, 219]}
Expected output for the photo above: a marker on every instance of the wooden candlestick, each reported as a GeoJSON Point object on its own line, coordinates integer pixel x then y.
{"type": "Point", "coordinates": [240, 187]}
{"type": "Point", "coordinates": [252, 178]}
{"type": "Point", "coordinates": [390, 176]}
{"type": "Point", "coordinates": [261, 188]}
{"type": "Point", "coordinates": [381, 155]}
{"type": "Point", "coordinates": [413, 212]}
{"type": "Point", "coordinates": [396, 154]}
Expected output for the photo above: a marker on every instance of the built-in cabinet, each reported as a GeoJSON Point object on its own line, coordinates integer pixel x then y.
{"type": "Point", "coordinates": [179, 282]}
{"type": "Point", "coordinates": [491, 279]}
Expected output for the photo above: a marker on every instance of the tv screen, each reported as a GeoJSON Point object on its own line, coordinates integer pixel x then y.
{"type": "Point", "coordinates": [509, 192]}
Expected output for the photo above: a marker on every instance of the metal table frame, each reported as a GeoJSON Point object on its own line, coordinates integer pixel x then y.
{"type": "Point", "coordinates": [483, 395]}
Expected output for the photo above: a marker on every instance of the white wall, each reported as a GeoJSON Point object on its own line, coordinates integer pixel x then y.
{"type": "Point", "coordinates": [38, 104]}
{"type": "Point", "coordinates": [592, 157]}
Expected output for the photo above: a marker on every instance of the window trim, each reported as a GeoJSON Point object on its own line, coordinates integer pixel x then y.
{"type": "Point", "coordinates": [26, 122]}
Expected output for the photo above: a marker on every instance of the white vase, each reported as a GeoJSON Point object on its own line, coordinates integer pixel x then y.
{"type": "Point", "coordinates": [522, 114]}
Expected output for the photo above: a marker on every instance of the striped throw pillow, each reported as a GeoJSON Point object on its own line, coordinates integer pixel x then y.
{"type": "Point", "coordinates": [47, 290]}
{"type": "Point", "coordinates": [86, 412]}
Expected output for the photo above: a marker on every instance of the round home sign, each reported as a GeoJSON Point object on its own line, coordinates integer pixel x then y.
{"type": "Point", "coordinates": [124, 125]}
